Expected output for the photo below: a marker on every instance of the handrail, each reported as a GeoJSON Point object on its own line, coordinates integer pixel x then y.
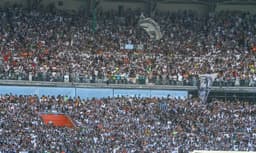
{"type": "Point", "coordinates": [94, 85]}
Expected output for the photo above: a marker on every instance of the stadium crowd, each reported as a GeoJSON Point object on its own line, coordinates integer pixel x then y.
{"type": "Point", "coordinates": [47, 46]}
{"type": "Point", "coordinates": [126, 124]}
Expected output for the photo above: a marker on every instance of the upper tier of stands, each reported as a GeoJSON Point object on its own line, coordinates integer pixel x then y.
{"type": "Point", "coordinates": [49, 46]}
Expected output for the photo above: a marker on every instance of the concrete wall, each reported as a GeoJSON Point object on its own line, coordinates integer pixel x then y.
{"type": "Point", "coordinates": [67, 4]}
{"type": "Point", "coordinates": [200, 8]}
{"type": "Point", "coordinates": [247, 8]}
{"type": "Point", "coordinates": [107, 5]}
{"type": "Point", "coordinates": [172, 7]}
{"type": "Point", "coordinates": [10, 2]}
{"type": "Point", "coordinates": [113, 5]}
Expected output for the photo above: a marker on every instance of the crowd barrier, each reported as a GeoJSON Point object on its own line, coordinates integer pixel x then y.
{"type": "Point", "coordinates": [90, 92]}
{"type": "Point", "coordinates": [205, 151]}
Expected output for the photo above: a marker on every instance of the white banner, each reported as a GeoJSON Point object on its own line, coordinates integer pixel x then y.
{"type": "Point", "coordinates": [151, 27]}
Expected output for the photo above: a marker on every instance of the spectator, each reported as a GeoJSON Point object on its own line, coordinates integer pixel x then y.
{"type": "Point", "coordinates": [53, 45]}
{"type": "Point", "coordinates": [126, 124]}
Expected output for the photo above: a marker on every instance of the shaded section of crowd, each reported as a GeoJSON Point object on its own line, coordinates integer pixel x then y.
{"type": "Point", "coordinates": [49, 46]}
{"type": "Point", "coordinates": [126, 124]}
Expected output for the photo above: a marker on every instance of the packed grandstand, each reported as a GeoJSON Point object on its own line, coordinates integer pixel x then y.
{"type": "Point", "coordinates": [51, 45]}
{"type": "Point", "coordinates": [126, 125]}
{"type": "Point", "coordinates": [47, 46]}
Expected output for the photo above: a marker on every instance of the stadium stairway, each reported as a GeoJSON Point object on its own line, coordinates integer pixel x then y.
{"type": "Point", "coordinates": [58, 120]}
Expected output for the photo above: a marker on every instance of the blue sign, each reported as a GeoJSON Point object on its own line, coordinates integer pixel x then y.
{"type": "Point", "coordinates": [85, 93]}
